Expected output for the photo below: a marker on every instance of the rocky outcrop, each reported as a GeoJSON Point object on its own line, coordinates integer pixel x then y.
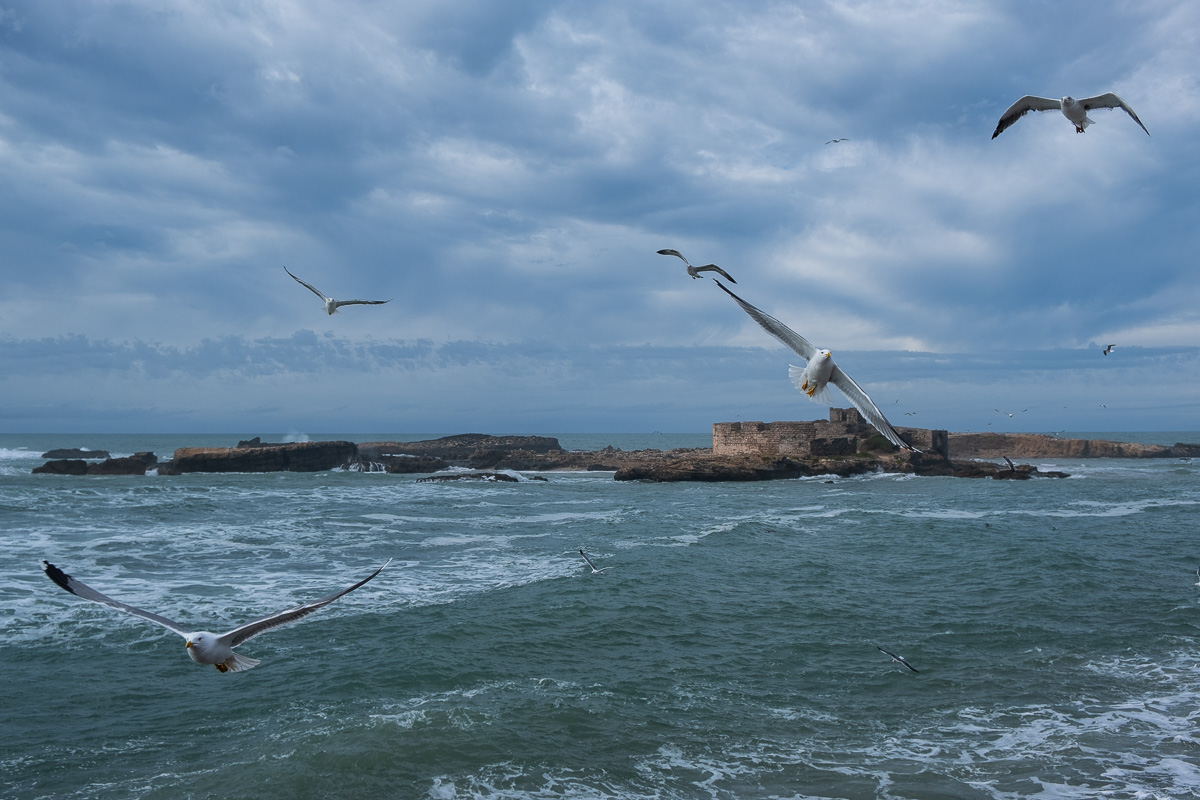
{"type": "Point", "coordinates": [74, 452]}
{"type": "Point", "coordinates": [503, 477]}
{"type": "Point", "coordinates": [285, 457]}
{"type": "Point", "coordinates": [749, 468]}
{"type": "Point", "coordinates": [1036, 445]}
{"type": "Point", "coordinates": [136, 464]}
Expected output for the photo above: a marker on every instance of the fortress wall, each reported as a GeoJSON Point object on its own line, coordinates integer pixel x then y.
{"type": "Point", "coordinates": [837, 437]}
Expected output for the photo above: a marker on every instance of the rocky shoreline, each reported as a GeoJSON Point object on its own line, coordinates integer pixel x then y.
{"type": "Point", "coordinates": [495, 454]}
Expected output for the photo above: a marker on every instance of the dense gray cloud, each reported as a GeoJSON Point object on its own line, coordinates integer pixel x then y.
{"type": "Point", "coordinates": [505, 171]}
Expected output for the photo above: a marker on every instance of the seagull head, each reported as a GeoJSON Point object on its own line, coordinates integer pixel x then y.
{"type": "Point", "coordinates": [1068, 101]}
{"type": "Point", "coordinates": [825, 354]}
{"type": "Point", "coordinates": [199, 644]}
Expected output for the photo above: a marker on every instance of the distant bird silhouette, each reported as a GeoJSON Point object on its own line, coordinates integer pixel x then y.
{"type": "Point", "coordinates": [896, 658]}
{"type": "Point", "coordinates": [1109, 349]}
{"type": "Point", "coordinates": [695, 271]}
{"type": "Point", "coordinates": [331, 305]}
{"type": "Point", "coordinates": [1072, 109]}
{"type": "Point", "coordinates": [835, 141]}
{"type": "Point", "coordinates": [590, 564]}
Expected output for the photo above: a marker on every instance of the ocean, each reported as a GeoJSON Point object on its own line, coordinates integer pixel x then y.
{"type": "Point", "coordinates": [729, 650]}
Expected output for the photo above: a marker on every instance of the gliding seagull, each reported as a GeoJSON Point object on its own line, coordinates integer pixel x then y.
{"type": "Point", "coordinates": [202, 646]}
{"type": "Point", "coordinates": [590, 564]}
{"type": "Point", "coordinates": [897, 658]}
{"type": "Point", "coordinates": [1109, 349]}
{"type": "Point", "coordinates": [1072, 109]}
{"type": "Point", "coordinates": [331, 305]}
{"type": "Point", "coordinates": [821, 371]}
{"type": "Point", "coordinates": [695, 271]}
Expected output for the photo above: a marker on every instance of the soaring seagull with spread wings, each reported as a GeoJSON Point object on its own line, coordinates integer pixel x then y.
{"type": "Point", "coordinates": [1109, 349]}
{"type": "Point", "coordinates": [590, 564]}
{"type": "Point", "coordinates": [1072, 109]}
{"type": "Point", "coordinates": [821, 371]}
{"type": "Point", "coordinates": [202, 646]}
{"type": "Point", "coordinates": [695, 271]}
{"type": "Point", "coordinates": [331, 305]}
{"type": "Point", "coordinates": [896, 658]}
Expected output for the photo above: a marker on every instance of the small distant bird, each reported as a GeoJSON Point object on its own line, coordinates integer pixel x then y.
{"type": "Point", "coordinates": [896, 658]}
{"type": "Point", "coordinates": [202, 646]}
{"type": "Point", "coordinates": [1104, 405]}
{"type": "Point", "coordinates": [1072, 109]}
{"type": "Point", "coordinates": [331, 305]}
{"type": "Point", "coordinates": [695, 271]}
{"type": "Point", "coordinates": [835, 141]}
{"type": "Point", "coordinates": [1010, 415]}
{"type": "Point", "coordinates": [910, 413]}
{"type": "Point", "coordinates": [1109, 349]}
{"type": "Point", "coordinates": [590, 564]}
{"type": "Point", "coordinates": [1198, 576]}
{"type": "Point", "coordinates": [814, 378]}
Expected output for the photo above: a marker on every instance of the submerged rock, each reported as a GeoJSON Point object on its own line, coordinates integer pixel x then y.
{"type": "Point", "coordinates": [74, 452]}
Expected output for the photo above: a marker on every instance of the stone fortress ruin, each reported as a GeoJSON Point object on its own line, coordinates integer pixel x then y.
{"type": "Point", "coordinates": [844, 433]}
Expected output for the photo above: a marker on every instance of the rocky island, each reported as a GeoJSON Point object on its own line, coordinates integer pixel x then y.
{"type": "Point", "coordinates": [843, 445]}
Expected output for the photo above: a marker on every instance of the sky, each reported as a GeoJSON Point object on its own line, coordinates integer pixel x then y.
{"type": "Point", "coordinates": [504, 172]}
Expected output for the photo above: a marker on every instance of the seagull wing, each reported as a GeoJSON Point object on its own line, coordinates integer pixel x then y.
{"type": "Point", "coordinates": [866, 407]}
{"type": "Point", "coordinates": [340, 303]}
{"type": "Point", "coordinates": [1110, 100]}
{"type": "Point", "coordinates": [588, 560]}
{"type": "Point", "coordinates": [253, 628]}
{"type": "Point", "coordinates": [797, 343]}
{"type": "Point", "coordinates": [676, 253]}
{"type": "Point", "coordinates": [308, 286]}
{"type": "Point", "coordinates": [80, 589]}
{"type": "Point", "coordinates": [718, 270]}
{"type": "Point", "coordinates": [896, 658]}
{"type": "Point", "coordinates": [1024, 106]}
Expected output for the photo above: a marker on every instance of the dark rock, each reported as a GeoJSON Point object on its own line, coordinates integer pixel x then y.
{"type": "Point", "coordinates": [255, 442]}
{"type": "Point", "coordinates": [286, 457]}
{"type": "Point", "coordinates": [476, 476]}
{"type": "Point", "coordinates": [136, 464]}
{"type": "Point", "coordinates": [62, 467]}
{"type": "Point", "coordinates": [74, 452]}
{"type": "Point", "coordinates": [1036, 445]}
{"type": "Point", "coordinates": [409, 465]}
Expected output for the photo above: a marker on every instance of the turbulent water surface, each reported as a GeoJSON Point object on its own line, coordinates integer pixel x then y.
{"type": "Point", "coordinates": [727, 652]}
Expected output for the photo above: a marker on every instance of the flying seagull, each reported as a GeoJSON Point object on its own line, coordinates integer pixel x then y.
{"type": "Point", "coordinates": [590, 564]}
{"type": "Point", "coordinates": [1109, 349]}
{"type": "Point", "coordinates": [821, 371]}
{"type": "Point", "coordinates": [331, 305]}
{"type": "Point", "coordinates": [1072, 109]}
{"type": "Point", "coordinates": [695, 271]}
{"type": "Point", "coordinates": [896, 658]}
{"type": "Point", "coordinates": [202, 646]}
{"type": "Point", "coordinates": [1198, 576]}
{"type": "Point", "coordinates": [835, 141]}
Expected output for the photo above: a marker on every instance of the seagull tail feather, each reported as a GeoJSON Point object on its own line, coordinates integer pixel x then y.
{"type": "Point", "coordinates": [240, 663]}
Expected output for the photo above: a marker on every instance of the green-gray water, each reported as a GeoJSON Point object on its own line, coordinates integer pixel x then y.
{"type": "Point", "coordinates": [728, 651]}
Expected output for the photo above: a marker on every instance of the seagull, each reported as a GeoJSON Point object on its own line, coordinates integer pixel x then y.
{"type": "Point", "coordinates": [695, 271]}
{"type": "Point", "coordinates": [1109, 349]}
{"type": "Point", "coordinates": [1198, 576]}
{"type": "Point", "coordinates": [1072, 109]}
{"type": "Point", "coordinates": [1010, 415]}
{"type": "Point", "coordinates": [835, 141]}
{"type": "Point", "coordinates": [821, 371]}
{"type": "Point", "coordinates": [331, 305]}
{"type": "Point", "coordinates": [590, 564]}
{"type": "Point", "coordinates": [202, 646]}
{"type": "Point", "coordinates": [897, 658]}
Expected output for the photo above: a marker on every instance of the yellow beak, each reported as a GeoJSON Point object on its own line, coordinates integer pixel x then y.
{"type": "Point", "coordinates": [189, 644]}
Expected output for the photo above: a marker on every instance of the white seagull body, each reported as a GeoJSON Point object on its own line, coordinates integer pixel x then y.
{"type": "Point", "coordinates": [590, 564]}
{"type": "Point", "coordinates": [331, 305]}
{"type": "Point", "coordinates": [896, 658]}
{"type": "Point", "coordinates": [821, 371]}
{"type": "Point", "coordinates": [1072, 109]}
{"type": "Point", "coordinates": [202, 646]}
{"type": "Point", "coordinates": [695, 271]}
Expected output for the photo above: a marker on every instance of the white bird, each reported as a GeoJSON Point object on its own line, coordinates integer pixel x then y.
{"type": "Point", "coordinates": [331, 305]}
{"type": "Point", "coordinates": [1072, 109]}
{"type": "Point", "coordinates": [590, 564]}
{"type": "Point", "coordinates": [695, 271]}
{"type": "Point", "coordinates": [821, 371]}
{"type": "Point", "coordinates": [202, 646]}
{"type": "Point", "coordinates": [897, 658]}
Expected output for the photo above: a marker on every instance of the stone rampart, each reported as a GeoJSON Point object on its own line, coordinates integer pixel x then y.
{"type": "Point", "coordinates": [840, 435]}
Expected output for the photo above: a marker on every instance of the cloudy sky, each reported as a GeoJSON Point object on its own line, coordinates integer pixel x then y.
{"type": "Point", "coordinates": [505, 171]}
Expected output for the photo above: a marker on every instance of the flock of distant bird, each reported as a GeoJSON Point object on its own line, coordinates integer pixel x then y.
{"type": "Point", "coordinates": [813, 379]}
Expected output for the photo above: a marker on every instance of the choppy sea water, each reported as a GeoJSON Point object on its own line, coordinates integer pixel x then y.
{"type": "Point", "coordinates": [728, 651]}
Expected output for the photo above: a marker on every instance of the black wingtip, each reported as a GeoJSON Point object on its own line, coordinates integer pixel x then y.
{"type": "Point", "coordinates": [57, 575]}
